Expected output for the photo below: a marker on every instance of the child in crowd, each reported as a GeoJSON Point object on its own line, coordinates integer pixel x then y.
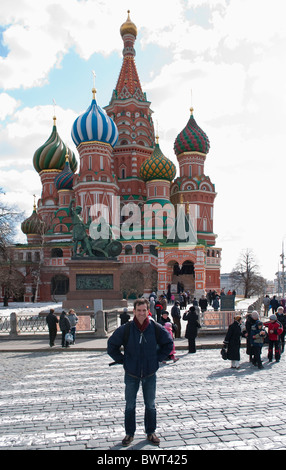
{"type": "Point", "coordinates": [274, 331]}
{"type": "Point", "coordinates": [169, 328]}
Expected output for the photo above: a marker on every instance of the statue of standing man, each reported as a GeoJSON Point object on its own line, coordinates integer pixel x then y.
{"type": "Point", "coordinates": [79, 231]}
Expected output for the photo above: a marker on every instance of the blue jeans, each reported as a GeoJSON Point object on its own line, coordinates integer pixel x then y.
{"type": "Point", "coordinates": [73, 328]}
{"type": "Point", "coordinates": [149, 391]}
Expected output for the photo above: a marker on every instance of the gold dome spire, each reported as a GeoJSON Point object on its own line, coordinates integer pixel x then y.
{"type": "Point", "coordinates": [128, 27]}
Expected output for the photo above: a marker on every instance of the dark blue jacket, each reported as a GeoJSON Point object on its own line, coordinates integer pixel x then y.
{"type": "Point", "coordinates": [143, 351]}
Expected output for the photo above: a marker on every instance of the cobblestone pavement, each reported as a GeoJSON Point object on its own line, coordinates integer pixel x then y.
{"type": "Point", "coordinates": [74, 400]}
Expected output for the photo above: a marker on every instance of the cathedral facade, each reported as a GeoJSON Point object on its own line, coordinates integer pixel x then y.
{"type": "Point", "coordinates": [121, 174]}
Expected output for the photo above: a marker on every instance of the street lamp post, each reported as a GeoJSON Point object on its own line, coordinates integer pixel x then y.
{"type": "Point", "coordinates": [283, 269]}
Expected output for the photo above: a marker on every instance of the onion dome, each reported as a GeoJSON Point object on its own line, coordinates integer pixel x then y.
{"type": "Point", "coordinates": [128, 27]}
{"type": "Point", "coordinates": [157, 167]}
{"type": "Point", "coordinates": [64, 180]}
{"type": "Point", "coordinates": [94, 125]}
{"type": "Point", "coordinates": [192, 139]}
{"type": "Point", "coordinates": [51, 155]}
{"type": "Point", "coordinates": [34, 225]}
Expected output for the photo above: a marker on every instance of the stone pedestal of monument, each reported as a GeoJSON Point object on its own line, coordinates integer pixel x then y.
{"type": "Point", "coordinates": [91, 279]}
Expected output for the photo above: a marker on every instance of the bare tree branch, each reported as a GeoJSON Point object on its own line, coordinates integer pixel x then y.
{"type": "Point", "coordinates": [246, 275]}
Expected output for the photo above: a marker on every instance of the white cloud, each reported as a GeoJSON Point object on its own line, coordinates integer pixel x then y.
{"type": "Point", "coordinates": [28, 130]}
{"type": "Point", "coordinates": [8, 105]}
{"type": "Point", "coordinates": [256, 21]}
{"type": "Point", "coordinates": [17, 181]}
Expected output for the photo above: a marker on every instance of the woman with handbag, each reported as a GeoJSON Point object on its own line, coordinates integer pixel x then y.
{"type": "Point", "coordinates": [192, 328]}
{"type": "Point", "coordinates": [65, 327]}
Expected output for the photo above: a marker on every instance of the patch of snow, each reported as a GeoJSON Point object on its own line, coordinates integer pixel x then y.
{"type": "Point", "coordinates": [30, 307]}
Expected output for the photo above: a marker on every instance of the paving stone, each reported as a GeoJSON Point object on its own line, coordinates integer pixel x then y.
{"type": "Point", "coordinates": [73, 400]}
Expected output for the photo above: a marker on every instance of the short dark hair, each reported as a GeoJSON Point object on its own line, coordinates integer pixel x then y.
{"type": "Point", "coordinates": [141, 302]}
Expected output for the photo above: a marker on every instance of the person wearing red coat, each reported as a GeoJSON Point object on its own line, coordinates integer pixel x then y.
{"type": "Point", "coordinates": [274, 331]}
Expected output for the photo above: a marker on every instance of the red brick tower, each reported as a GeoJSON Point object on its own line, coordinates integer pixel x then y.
{"type": "Point", "coordinates": [131, 112]}
{"type": "Point", "coordinates": [193, 186]}
{"type": "Point", "coordinates": [95, 186]}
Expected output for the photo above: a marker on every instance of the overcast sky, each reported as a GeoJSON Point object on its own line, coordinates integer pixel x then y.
{"type": "Point", "coordinates": [224, 57]}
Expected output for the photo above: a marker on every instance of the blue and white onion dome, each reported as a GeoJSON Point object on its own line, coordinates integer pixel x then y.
{"type": "Point", "coordinates": [94, 125]}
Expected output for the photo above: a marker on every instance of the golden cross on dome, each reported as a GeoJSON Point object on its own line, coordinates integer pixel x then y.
{"type": "Point", "coordinates": [54, 104]}
{"type": "Point", "coordinates": [191, 108]}
{"type": "Point", "coordinates": [34, 201]}
{"type": "Point", "coordinates": [157, 133]}
{"type": "Point", "coordinates": [93, 89]}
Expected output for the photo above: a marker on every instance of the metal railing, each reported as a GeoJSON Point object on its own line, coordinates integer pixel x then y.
{"type": "Point", "coordinates": [16, 324]}
{"type": "Point", "coordinates": [5, 324]}
{"type": "Point", "coordinates": [22, 323]}
{"type": "Point", "coordinates": [111, 320]}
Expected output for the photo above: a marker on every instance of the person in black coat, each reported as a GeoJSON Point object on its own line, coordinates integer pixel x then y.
{"type": "Point", "coordinates": [165, 319]}
{"type": "Point", "coordinates": [192, 327]}
{"type": "Point", "coordinates": [65, 327]}
{"type": "Point", "coordinates": [274, 304]}
{"type": "Point", "coordinates": [124, 316]}
{"type": "Point", "coordinates": [250, 321]}
{"type": "Point", "coordinates": [232, 342]}
{"type": "Point", "coordinates": [203, 303]}
{"type": "Point", "coordinates": [52, 321]}
{"type": "Point", "coordinates": [176, 315]}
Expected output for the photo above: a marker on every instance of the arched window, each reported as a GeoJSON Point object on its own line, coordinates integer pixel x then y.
{"type": "Point", "coordinates": [176, 269]}
{"type": "Point", "coordinates": [56, 253]}
{"type": "Point", "coordinates": [153, 250]}
{"type": "Point", "coordinates": [187, 268]}
{"type": "Point", "coordinates": [139, 250]}
{"type": "Point", "coordinates": [128, 250]}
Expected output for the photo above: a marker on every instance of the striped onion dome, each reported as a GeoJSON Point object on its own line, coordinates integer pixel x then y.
{"type": "Point", "coordinates": [33, 225]}
{"type": "Point", "coordinates": [64, 180]}
{"type": "Point", "coordinates": [94, 125]}
{"type": "Point", "coordinates": [51, 155]}
{"type": "Point", "coordinates": [191, 139]}
{"type": "Point", "coordinates": [157, 167]}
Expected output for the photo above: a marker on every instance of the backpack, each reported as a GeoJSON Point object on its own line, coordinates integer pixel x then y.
{"type": "Point", "coordinates": [127, 332]}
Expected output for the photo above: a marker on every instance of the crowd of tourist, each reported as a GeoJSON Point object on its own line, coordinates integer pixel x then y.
{"type": "Point", "coordinates": [258, 333]}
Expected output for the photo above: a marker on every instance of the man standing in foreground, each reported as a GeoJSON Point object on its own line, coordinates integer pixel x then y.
{"type": "Point", "coordinates": [140, 361]}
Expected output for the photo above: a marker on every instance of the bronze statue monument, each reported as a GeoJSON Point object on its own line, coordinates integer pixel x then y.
{"type": "Point", "coordinates": [100, 244]}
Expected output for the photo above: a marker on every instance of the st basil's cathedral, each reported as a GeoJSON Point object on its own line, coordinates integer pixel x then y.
{"type": "Point", "coordinates": [120, 159]}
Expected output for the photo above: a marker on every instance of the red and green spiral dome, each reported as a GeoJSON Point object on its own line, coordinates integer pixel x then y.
{"type": "Point", "coordinates": [191, 139]}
